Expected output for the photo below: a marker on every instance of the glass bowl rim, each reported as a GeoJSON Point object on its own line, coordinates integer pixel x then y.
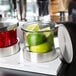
{"type": "Point", "coordinates": [45, 25]}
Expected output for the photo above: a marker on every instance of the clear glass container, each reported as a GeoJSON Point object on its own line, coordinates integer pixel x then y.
{"type": "Point", "coordinates": [9, 43]}
{"type": "Point", "coordinates": [38, 42]}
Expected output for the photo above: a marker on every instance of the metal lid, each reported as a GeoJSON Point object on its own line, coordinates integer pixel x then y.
{"type": "Point", "coordinates": [7, 26]}
{"type": "Point", "coordinates": [65, 44]}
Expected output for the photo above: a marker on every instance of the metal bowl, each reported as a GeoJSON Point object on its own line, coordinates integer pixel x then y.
{"type": "Point", "coordinates": [39, 57]}
{"type": "Point", "coordinates": [7, 26]}
{"type": "Point", "coordinates": [7, 51]}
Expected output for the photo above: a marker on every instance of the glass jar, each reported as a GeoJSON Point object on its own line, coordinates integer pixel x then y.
{"type": "Point", "coordinates": [38, 42]}
{"type": "Point", "coordinates": [8, 34]}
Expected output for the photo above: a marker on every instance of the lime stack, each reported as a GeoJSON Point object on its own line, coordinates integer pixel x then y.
{"type": "Point", "coordinates": [39, 42]}
{"type": "Point", "coordinates": [49, 35]}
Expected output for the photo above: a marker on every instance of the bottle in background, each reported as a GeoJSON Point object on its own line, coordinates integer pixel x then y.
{"type": "Point", "coordinates": [43, 9]}
{"type": "Point", "coordinates": [72, 10]}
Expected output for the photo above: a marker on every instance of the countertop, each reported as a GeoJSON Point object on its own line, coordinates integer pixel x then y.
{"type": "Point", "coordinates": [17, 62]}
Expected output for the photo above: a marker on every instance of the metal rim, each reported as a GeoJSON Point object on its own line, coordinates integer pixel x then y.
{"type": "Point", "coordinates": [41, 25]}
{"type": "Point", "coordinates": [39, 58]}
{"type": "Point", "coordinates": [7, 26]}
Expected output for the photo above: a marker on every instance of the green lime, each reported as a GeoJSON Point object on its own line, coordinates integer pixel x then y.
{"type": "Point", "coordinates": [50, 35]}
{"type": "Point", "coordinates": [46, 29]}
{"type": "Point", "coordinates": [42, 48]}
{"type": "Point", "coordinates": [35, 38]}
{"type": "Point", "coordinates": [32, 27]}
{"type": "Point", "coordinates": [50, 39]}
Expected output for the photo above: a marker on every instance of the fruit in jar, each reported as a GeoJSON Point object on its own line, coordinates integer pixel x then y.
{"type": "Point", "coordinates": [50, 35]}
{"type": "Point", "coordinates": [42, 48]}
{"type": "Point", "coordinates": [32, 27]}
{"type": "Point", "coordinates": [35, 38]}
{"type": "Point", "coordinates": [39, 42]}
